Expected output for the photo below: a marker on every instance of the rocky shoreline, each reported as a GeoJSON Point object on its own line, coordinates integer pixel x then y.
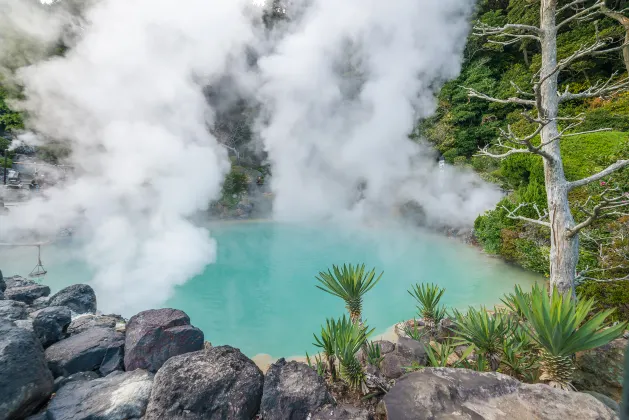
{"type": "Point", "coordinates": [61, 359]}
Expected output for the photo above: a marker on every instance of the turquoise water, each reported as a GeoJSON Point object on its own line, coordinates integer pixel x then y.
{"type": "Point", "coordinates": [260, 295]}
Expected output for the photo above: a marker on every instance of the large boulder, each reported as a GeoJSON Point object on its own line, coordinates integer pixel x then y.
{"type": "Point", "coordinates": [26, 291]}
{"type": "Point", "coordinates": [292, 391]}
{"type": "Point", "coordinates": [88, 321]}
{"type": "Point", "coordinates": [393, 364]}
{"type": "Point", "coordinates": [411, 349]}
{"type": "Point", "coordinates": [80, 298]}
{"type": "Point", "coordinates": [98, 349]}
{"type": "Point", "coordinates": [81, 376]}
{"type": "Point", "coordinates": [341, 412]}
{"type": "Point", "coordinates": [602, 369]}
{"type": "Point", "coordinates": [12, 310]}
{"type": "Point", "coordinates": [154, 336]}
{"type": "Point", "coordinates": [119, 396]}
{"type": "Point", "coordinates": [51, 323]}
{"type": "Point", "coordinates": [25, 381]}
{"type": "Point", "coordinates": [445, 393]}
{"type": "Point", "coordinates": [218, 383]}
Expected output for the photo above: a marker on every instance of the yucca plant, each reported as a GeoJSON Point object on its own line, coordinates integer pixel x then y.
{"type": "Point", "coordinates": [326, 343]}
{"type": "Point", "coordinates": [512, 304]}
{"type": "Point", "coordinates": [350, 283]}
{"type": "Point", "coordinates": [439, 353]}
{"type": "Point", "coordinates": [557, 323]}
{"type": "Point", "coordinates": [374, 354]}
{"type": "Point", "coordinates": [414, 332]}
{"type": "Point", "coordinates": [485, 331]}
{"type": "Point", "coordinates": [519, 356]}
{"type": "Point", "coordinates": [428, 297]}
{"type": "Point", "coordinates": [318, 365]}
{"type": "Point", "coordinates": [349, 338]}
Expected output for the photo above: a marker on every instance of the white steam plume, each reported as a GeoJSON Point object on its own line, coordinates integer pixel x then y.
{"type": "Point", "coordinates": [344, 88]}
{"type": "Point", "coordinates": [128, 98]}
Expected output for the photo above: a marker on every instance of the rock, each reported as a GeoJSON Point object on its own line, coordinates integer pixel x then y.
{"type": "Point", "coordinates": [3, 285]}
{"type": "Point", "coordinates": [12, 310]}
{"type": "Point", "coordinates": [39, 303]}
{"type": "Point", "coordinates": [80, 298]}
{"type": "Point", "coordinates": [219, 383]}
{"type": "Point", "coordinates": [81, 376]}
{"type": "Point", "coordinates": [601, 369]}
{"type": "Point", "coordinates": [27, 324]}
{"type": "Point", "coordinates": [385, 346]}
{"type": "Point", "coordinates": [154, 336]}
{"type": "Point", "coordinates": [85, 322]}
{"type": "Point", "coordinates": [411, 349]}
{"type": "Point", "coordinates": [39, 416]}
{"type": "Point", "coordinates": [392, 366]}
{"type": "Point", "coordinates": [445, 393]}
{"type": "Point", "coordinates": [606, 400]}
{"type": "Point", "coordinates": [2, 296]}
{"type": "Point", "coordinates": [25, 381]}
{"type": "Point", "coordinates": [28, 293]}
{"type": "Point", "coordinates": [292, 390]}
{"type": "Point", "coordinates": [119, 396]}
{"type": "Point", "coordinates": [342, 412]}
{"type": "Point", "coordinates": [51, 323]}
{"type": "Point", "coordinates": [17, 281]}
{"type": "Point", "coordinates": [98, 349]}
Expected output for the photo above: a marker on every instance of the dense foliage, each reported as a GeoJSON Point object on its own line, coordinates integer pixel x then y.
{"type": "Point", "coordinates": [462, 125]}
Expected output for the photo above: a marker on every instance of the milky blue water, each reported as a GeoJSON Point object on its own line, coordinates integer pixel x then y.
{"type": "Point", "coordinates": [260, 295]}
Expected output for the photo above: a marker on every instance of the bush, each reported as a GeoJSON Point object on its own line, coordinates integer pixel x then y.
{"type": "Point", "coordinates": [607, 296]}
{"type": "Point", "coordinates": [235, 182]}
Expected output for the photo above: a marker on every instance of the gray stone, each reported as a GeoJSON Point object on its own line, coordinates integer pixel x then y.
{"type": "Point", "coordinates": [27, 324]}
{"type": "Point", "coordinates": [292, 391]}
{"type": "Point", "coordinates": [393, 364]}
{"type": "Point", "coordinates": [97, 349]}
{"type": "Point", "coordinates": [154, 336]}
{"type": "Point", "coordinates": [341, 412]}
{"type": "Point", "coordinates": [3, 285]}
{"type": "Point", "coordinates": [386, 347]}
{"type": "Point", "coordinates": [218, 383]}
{"type": "Point", "coordinates": [602, 369]}
{"type": "Point", "coordinates": [119, 396]}
{"type": "Point", "coordinates": [446, 393]}
{"type": "Point", "coordinates": [87, 321]}
{"type": "Point", "coordinates": [606, 400]}
{"type": "Point", "coordinates": [12, 310]}
{"type": "Point", "coordinates": [27, 294]}
{"type": "Point", "coordinates": [39, 303]}
{"type": "Point", "coordinates": [1, 296]}
{"type": "Point", "coordinates": [81, 376]}
{"type": "Point", "coordinates": [25, 381]}
{"type": "Point", "coordinates": [411, 349]}
{"type": "Point", "coordinates": [51, 323]}
{"type": "Point", "coordinates": [80, 298]}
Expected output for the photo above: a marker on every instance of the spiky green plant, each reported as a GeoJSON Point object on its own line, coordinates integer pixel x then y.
{"type": "Point", "coordinates": [350, 283]}
{"type": "Point", "coordinates": [428, 297]}
{"type": "Point", "coordinates": [326, 342]}
{"type": "Point", "coordinates": [559, 327]}
{"type": "Point", "coordinates": [414, 332]}
{"type": "Point", "coordinates": [519, 356]}
{"type": "Point", "coordinates": [349, 338]}
{"type": "Point", "coordinates": [512, 304]}
{"type": "Point", "coordinates": [485, 331]}
{"type": "Point", "coordinates": [374, 354]}
{"type": "Point", "coordinates": [439, 353]}
{"type": "Point", "coordinates": [318, 365]}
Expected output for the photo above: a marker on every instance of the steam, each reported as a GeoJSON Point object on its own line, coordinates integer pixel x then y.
{"type": "Point", "coordinates": [344, 89]}
{"type": "Point", "coordinates": [128, 99]}
{"type": "Point", "coordinates": [339, 87]}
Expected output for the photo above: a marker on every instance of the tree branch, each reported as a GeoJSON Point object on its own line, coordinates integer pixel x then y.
{"type": "Point", "coordinates": [597, 90]}
{"type": "Point", "coordinates": [585, 13]}
{"type": "Point", "coordinates": [473, 93]}
{"type": "Point", "coordinates": [607, 171]}
{"type": "Point", "coordinates": [606, 203]}
{"type": "Point", "coordinates": [568, 6]}
{"type": "Point", "coordinates": [540, 221]}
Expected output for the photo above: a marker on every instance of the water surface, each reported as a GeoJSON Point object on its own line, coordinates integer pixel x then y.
{"type": "Point", "coordinates": [260, 295]}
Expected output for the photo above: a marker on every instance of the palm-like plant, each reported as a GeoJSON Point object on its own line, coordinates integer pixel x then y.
{"type": "Point", "coordinates": [439, 354]}
{"type": "Point", "coordinates": [326, 342]}
{"type": "Point", "coordinates": [350, 283]}
{"type": "Point", "coordinates": [374, 354]}
{"type": "Point", "coordinates": [558, 325]}
{"type": "Point", "coordinates": [349, 338]}
{"type": "Point", "coordinates": [485, 331]}
{"type": "Point", "coordinates": [428, 297]}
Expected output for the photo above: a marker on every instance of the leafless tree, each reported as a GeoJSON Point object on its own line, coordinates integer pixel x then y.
{"type": "Point", "coordinates": [542, 109]}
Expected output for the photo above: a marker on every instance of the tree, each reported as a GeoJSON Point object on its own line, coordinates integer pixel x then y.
{"type": "Point", "coordinates": [541, 108]}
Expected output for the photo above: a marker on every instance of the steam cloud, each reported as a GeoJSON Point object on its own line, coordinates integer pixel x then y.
{"type": "Point", "coordinates": [341, 86]}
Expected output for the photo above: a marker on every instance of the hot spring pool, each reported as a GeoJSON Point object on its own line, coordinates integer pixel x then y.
{"type": "Point", "coordinates": [260, 294]}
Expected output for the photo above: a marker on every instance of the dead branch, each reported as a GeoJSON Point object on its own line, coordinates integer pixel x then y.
{"type": "Point", "coordinates": [597, 90]}
{"type": "Point", "coordinates": [605, 172]}
{"type": "Point", "coordinates": [583, 14]}
{"type": "Point", "coordinates": [568, 6]}
{"type": "Point", "coordinates": [511, 214]}
{"type": "Point", "coordinates": [602, 209]}
{"type": "Point", "coordinates": [473, 93]}
{"type": "Point", "coordinates": [482, 29]}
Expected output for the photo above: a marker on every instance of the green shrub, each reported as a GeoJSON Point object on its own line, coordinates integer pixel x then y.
{"type": "Point", "coordinates": [607, 295]}
{"type": "Point", "coordinates": [235, 182]}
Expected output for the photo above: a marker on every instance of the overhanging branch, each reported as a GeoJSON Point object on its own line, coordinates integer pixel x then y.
{"type": "Point", "coordinates": [605, 172]}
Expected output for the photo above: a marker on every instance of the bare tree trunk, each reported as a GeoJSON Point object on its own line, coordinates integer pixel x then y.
{"type": "Point", "coordinates": [624, 21]}
{"type": "Point", "coordinates": [564, 249]}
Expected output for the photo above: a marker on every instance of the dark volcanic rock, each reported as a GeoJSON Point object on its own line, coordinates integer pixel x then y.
{"type": "Point", "coordinates": [3, 285]}
{"type": "Point", "coordinates": [1, 296]}
{"type": "Point", "coordinates": [446, 393]}
{"type": "Point", "coordinates": [39, 303]}
{"type": "Point", "coordinates": [12, 310]}
{"type": "Point", "coordinates": [119, 396]}
{"type": "Point", "coordinates": [386, 347]}
{"type": "Point", "coordinates": [411, 349]}
{"type": "Point", "coordinates": [154, 336]}
{"type": "Point", "coordinates": [27, 293]}
{"type": "Point", "coordinates": [27, 324]}
{"type": "Point", "coordinates": [80, 298]}
{"type": "Point", "coordinates": [218, 383]}
{"type": "Point", "coordinates": [85, 322]}
{"type": "Point", "coordinates": [81, 376]}
{"type": "Point", "coordinates": [341, 412]}
{"type": "Point", "coordinates": [25, 381]}
{"type": "Point", "coordinates": [393, 364]}
{"type": "Point", "coordinates": [51, 323]}
{"type": "Point", "coordinates": [292, 391]}
{"type": "Point", "coordinates": [98, 349]}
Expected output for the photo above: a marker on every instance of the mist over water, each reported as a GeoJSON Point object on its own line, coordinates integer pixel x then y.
{"type": "Point", "coordinates": [339, 86]}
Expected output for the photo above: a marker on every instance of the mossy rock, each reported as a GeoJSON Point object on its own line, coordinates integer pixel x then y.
{"type": "Point", "coordinates": [601, 370]}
